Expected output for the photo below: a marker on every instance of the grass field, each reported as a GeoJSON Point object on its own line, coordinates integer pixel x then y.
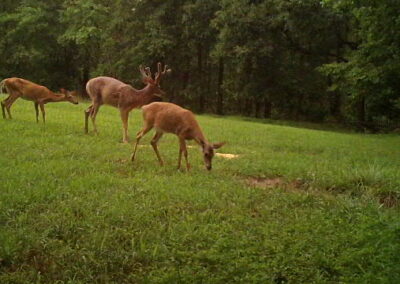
{"type": "Point", "coordinates": [296, 206]}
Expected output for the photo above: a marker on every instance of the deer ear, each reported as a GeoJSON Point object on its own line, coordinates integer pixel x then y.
{"type": "Point", "coordinates": [63, 91]}
{"type": "Point", "coordinates": [218, 145]}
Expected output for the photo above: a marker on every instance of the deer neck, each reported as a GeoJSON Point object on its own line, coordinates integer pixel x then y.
{"type": "Point", "coordinates": [198, 136]}
{"type": "Point", "coordinates": [53, 98]}
{"type": "Point", "coordinates": [146, 94]}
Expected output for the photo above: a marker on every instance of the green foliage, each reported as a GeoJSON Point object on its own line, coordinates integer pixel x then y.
{"type": "Point", "coordinates": [260, 58]}
{"type": "Point", "coordinates": [74, 209]}
{"type": "Point", "coordinates": [373, 67]}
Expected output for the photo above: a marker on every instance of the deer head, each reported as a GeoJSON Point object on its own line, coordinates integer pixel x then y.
{"type": "Point", "coordinates": [147, 77]}
{"type": "Point", "coordinates": [69, 96]}
{"type": "Point", "coordinates": [208, 152]}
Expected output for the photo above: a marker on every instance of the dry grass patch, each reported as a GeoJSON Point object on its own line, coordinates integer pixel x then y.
{"type": "Point", "coordinates": [227, 156]}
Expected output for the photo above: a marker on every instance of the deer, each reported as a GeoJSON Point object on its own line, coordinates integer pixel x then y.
{"type": "Point", "coordinates": [110, 91]}
{"type": "Point", "coordinates": [27, 90]}
{"type": "Point", "coordinates": [171, 118]}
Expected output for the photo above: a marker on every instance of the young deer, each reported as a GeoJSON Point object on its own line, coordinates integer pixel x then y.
{"type": "Point", "coordinates": [170, 118]}
{"type": "Point", "coordinates": [40, 95]}
{"type": "Point", "coordinates": [110, 91]}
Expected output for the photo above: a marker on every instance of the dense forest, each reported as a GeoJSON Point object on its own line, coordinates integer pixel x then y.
{"type": "Point", "coordinates": [315, 60]}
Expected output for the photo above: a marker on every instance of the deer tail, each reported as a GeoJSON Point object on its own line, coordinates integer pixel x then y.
{"type": "Point", "coordinates": [2, 86]}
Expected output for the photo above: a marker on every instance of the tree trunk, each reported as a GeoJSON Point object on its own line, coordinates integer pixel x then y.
{"type": "Point", "coordinates": [248, 107]}
{"type": "Point", "coordinates": [335, 103]}
{"type": "Point", "coordinates": [335, 106]}
{"type": "Point", "coordinates": [200, 77]}
{"type": "Point", "coordinates": [361, 111]}
{"type": "Point", "coordinates": [84, 79]}
{"type": "Point", "coordinates": [267, 108]}
{"type": "Point", "coordinates": [220, 95]}
{"type": "Point", "coordinates": [256, 107]}
{"type": "Point", "coordinates": [208, 78]}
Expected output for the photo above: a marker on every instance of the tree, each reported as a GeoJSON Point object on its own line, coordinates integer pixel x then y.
{"type": "Point", "coordinates": [369, 77]}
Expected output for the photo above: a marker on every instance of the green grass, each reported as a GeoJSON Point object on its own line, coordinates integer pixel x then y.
{"type": "Point", "coordinates": [73, 209]}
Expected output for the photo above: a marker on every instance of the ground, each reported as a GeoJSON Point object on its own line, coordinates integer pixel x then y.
{"type": "Point", "coordinates": [292, 204]}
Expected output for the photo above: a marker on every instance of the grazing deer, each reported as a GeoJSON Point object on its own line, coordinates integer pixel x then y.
{"type": "Point", "coordinates": [170, 118]}
{"type": "Point", "coordinates": [40, 95]}
{"type": "Point", "coordinates": [110, 91]}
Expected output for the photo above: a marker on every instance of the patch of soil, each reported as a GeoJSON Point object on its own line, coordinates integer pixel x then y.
{"type": "Point", "coordinates": [274, 182]}
{"type": "Point", "coordinates": [390, 199]}
{"type": "Point", "coordinates": [265, 182]}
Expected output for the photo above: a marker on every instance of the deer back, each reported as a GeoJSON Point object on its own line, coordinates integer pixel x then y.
{"type": "Point", "coordinates": [27, 89]}
{"type": "Point", "coordinates": [110, 91]}
{"type": "Point", "coordinates": [172, 118]}
{"type": "Point", "coordinates": [105, 90]}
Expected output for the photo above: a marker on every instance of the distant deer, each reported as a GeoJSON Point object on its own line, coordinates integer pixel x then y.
{"type": "Point", "coordinates": [110, 91]}
{"type": "Point", "coordinates": [170, 118]}
{"type": "Point", "coordinates": [27, 90]}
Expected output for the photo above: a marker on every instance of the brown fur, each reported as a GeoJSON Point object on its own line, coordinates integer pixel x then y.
{"type": "Point", "coordinates": [39, 95]}
{"type": "Point", "coordinates": [110, 91]}
{"type": "Point", "coordinates": [170, 118]}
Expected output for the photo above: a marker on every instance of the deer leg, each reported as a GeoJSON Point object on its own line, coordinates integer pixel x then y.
{"type": "Point", "coordinates": [183, 149]}
{"type": "Point", "coordinates": [180, 157]}
{"type": "Point", "coordinates": [43, 112]}
{"type": "Point", "coordinates": [93, 114]}
{"type": "Point", "coordinates": [87, 114]}
{"type": "Point", "coordinates": [124, 118]}
{"type": "Point", "coordinates": [154, 142]}
{"type": "Point", "coordinates": [8, 103]}
{"type": "Point", "coordinates": [37, 112]}
{"type": "Point", "coordinates": [2, 108]}
{"type": "Point", "coordinates": [139, 136]}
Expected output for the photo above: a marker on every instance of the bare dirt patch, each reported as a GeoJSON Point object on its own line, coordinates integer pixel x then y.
{"type": "Point", "coordinates": [390, 199]}
{"type": "Point", "coordinates": [297, 186]}
{"type": "Point", "coordinates": [274, 182]}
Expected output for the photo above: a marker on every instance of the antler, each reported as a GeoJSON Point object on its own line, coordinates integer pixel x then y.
{"type": "Point", "coordinates": [160, 73]}
{"type": "Point", "coordinates": [148, 71]}
{"type": "Point", "coordinates": [146, 74]}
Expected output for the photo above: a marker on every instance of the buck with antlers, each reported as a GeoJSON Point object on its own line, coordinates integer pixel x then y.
{"type": "Point", "coordinates": [110, 91]}
{"type": "Point", "coordinates": [170, 118]}
{"type": "Point", "coordinates": [40, 95]}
